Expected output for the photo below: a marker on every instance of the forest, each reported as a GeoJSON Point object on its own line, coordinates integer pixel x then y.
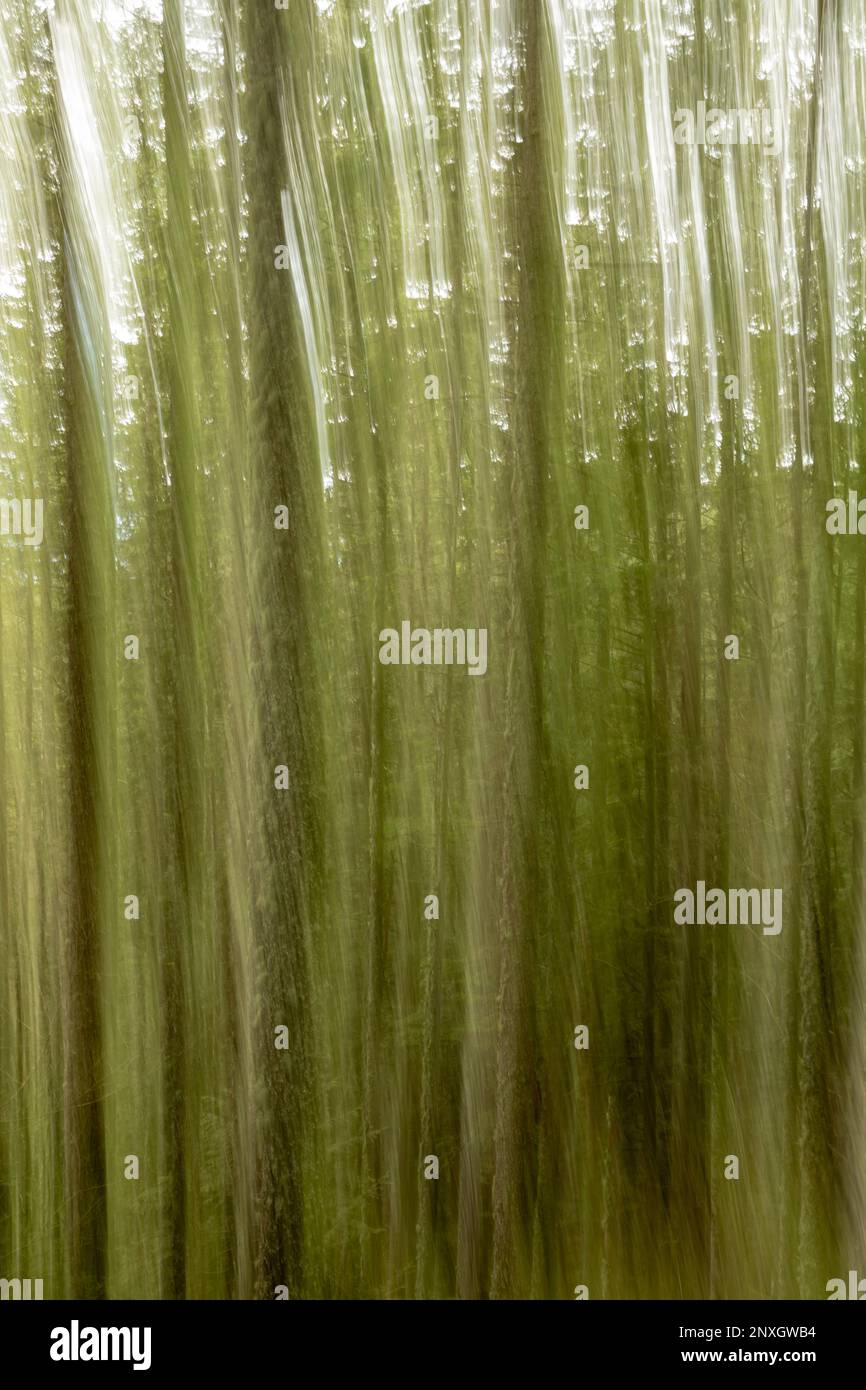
{"type": "Point", "coordinates": [329, 323]}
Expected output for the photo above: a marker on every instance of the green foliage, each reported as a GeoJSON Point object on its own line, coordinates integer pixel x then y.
{"type": "Point", "coordinates": [165, 386]}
